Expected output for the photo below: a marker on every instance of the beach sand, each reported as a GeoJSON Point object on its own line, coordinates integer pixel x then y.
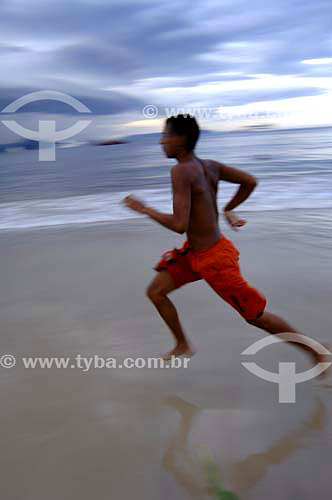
{"type": "Point", "coordinates": [149, 433]}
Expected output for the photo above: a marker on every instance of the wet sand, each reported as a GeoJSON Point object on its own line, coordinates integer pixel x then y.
{"type": "Point", "coordinates": [156, 433]}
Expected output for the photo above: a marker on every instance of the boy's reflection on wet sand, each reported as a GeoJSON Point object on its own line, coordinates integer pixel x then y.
{"type": "Point", "coordinates": [242, 475]}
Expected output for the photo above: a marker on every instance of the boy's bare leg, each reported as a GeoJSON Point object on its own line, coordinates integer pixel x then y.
{"type": "Point", "coordinates": [157, 292]}
{"type": "Point", "coordinates": [275, 324]}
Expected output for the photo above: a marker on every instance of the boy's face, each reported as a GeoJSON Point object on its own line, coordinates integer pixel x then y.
{"type": "Point", "coordinates": [171, 142]}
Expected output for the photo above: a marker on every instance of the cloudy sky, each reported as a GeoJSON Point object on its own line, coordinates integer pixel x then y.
{"type": "Point", "coordinates": [236, 58]}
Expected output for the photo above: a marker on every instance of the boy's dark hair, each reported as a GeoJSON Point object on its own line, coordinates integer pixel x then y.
{"type": "Point", "coordinates": [185, 125]}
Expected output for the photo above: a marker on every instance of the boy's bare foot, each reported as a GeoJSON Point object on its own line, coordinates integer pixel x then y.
{"type": "Point", "coordinates": [185, 350]}
{"type": "Point", "coordinates": [323, 358]}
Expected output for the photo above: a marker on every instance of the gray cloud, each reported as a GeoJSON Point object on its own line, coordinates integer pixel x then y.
{"type": "Point", "coordinates": [82, 46]}
{"type": "Point", "coordinates": [11, 49]}
{"type": "Point", "coordinates": [101, 103]}
{"type": "Point", "coordinates": [240, 97]}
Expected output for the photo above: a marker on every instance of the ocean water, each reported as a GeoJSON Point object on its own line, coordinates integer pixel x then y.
{"type": "Point", "coordinates": [87, 183]}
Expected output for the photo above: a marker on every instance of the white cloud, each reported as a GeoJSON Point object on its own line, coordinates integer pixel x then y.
{"type": "Point", "coordinates": [324, 60]}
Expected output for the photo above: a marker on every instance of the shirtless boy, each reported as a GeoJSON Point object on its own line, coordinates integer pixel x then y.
{"type": "Point", "coordinates": [206, 254]}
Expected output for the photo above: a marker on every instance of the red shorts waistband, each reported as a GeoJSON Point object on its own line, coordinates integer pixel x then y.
{"type": "Point", "coordinates": [202, 252]}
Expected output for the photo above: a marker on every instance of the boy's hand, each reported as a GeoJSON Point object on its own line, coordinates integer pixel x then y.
{"type": "Point", "coordinates": [233, 220]}
{"type": "Point", "coordinates": [134, 204]}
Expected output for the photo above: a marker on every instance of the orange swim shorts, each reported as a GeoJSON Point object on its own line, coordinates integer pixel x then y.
{"type": "Point", "coordinates": [219, 267]}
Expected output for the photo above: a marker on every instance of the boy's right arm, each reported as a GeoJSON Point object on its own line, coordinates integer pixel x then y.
{"type": "Point", "coordinates": [235, 175]}
{"type": "Point", "coordinates": [247, 184]}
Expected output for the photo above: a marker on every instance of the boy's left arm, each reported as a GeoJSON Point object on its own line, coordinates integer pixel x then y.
{"type": "Point", "coordinates": [179, 220]}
